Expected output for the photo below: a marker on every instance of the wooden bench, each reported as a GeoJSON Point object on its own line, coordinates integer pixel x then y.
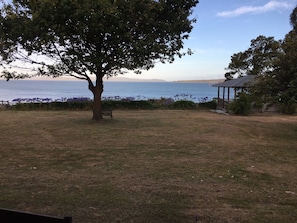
{"type": "Point", "coordinates": [107, 113]}
{"type": "Point", "coordinates": [12, 216]}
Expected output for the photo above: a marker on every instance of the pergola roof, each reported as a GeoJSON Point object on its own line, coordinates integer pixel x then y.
{"type": "Point", "coordinates": [236, 83]}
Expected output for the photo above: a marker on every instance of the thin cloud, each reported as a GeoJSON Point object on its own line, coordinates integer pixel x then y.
{"type": "Point", "coordinates": [270, 6]}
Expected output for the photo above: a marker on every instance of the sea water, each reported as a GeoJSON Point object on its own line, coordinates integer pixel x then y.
{"type": "Point", "coordinates": [56, 90]}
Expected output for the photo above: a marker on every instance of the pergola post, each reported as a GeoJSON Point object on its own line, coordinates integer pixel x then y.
{"type": "Point", "coordinates": [218, 93]}
{"type": "Point", "coordinates": [223, 97]}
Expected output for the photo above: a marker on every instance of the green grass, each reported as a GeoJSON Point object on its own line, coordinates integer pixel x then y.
{"type": "Point", "coordinates": [150, 166]}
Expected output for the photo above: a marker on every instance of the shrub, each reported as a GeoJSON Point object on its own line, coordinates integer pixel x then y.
{"type": "Point", "coordinates": [288, 107]}
{"type": "Point", "coordinates": [241, 105]}
{"type": "Point", "coordinates": [183, 105]}
{"type": "Point", "coordinates": [53, 106]}
{"type": "Point", "coordinates": [209, 104]}
{"type": "Point", "coordinates": [126, 104]}
{"type": "Point", "coordinates": [162, 102]}
{"type": "Point", "coordinates": [111, 104]}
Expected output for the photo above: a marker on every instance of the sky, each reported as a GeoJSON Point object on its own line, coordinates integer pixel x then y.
{"type": "Point", "coordinates": [222, 29]}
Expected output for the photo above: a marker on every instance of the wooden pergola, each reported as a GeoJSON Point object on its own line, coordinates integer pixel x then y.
{"type": "Point", "coordinates": [237, 84]}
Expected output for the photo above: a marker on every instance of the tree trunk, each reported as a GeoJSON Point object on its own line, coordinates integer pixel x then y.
{"type": "Point", "coordinates": [97, 103]}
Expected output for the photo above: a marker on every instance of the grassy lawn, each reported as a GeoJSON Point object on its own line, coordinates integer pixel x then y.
{"type": "Point", "coordinates": [150, 166]}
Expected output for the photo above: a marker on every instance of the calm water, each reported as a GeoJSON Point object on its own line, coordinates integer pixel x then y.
{"type": "Point", "coordinates": [56, 90]}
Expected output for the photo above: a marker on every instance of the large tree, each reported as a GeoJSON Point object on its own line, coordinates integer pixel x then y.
{"type": "Point", "coordinates": [293, 19]}
{"type": "Point", "coordinates": [274, 64]}
{"type": "Point", "coordinates": [286, 72]}
{"type": "Point", "coordinates": [280, 84]}
{"type": "Point", "coordinates": [258, 59]}
{"type": "Point", "coordinates": [85, 38]}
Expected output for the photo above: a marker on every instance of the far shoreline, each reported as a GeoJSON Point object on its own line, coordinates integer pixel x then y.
{"type": "Point", "coordinates": [127, 79]}
{"type": "Point", "coordinates": [210, 81]}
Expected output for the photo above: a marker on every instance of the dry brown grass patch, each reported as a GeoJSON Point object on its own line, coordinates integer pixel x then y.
{"type": "Point", "coordinates": [150, 166]}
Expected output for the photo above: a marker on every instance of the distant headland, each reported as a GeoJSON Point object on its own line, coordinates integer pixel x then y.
{"type": "Point", "coordinates": [211, 81]}
{"type": "Point", "coordinates": [128, 79]}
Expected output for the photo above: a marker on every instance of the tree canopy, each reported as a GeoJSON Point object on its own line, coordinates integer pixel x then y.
{"type": "Point", "coordinates": [85, 38]}
{"type": "Point", "coordinates": [293, 19]}
{"type": "Point", "coordinates": [258, 59]}
{"type": "Point", "coordinates": [274, 64]}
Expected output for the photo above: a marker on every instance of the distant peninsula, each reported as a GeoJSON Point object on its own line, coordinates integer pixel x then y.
{"type": "Point", "coordinates": [211, 81]}
{"type": "Point", "coordinates": [127, 79]}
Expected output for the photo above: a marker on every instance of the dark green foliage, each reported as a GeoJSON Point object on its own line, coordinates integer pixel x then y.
{"type": "Point", "coordinates": [293, 19]}
{"type": "Point", "coordinates": [209, 104]}
{"type": "Point", "coordinates": [125, 104]}
{"type": "Point", "coordinates": [183, 105]}
{"type": "Point", "coordinates": [106, 105]}
{"type": "Point", "coordinates": [241, 105]}
{"type": "Point", "coordinates": [117, 104]}
{"type": "Point", "coordinates": [287, 105]}
{"type": "Point", "coordinates": [259, 58]}
{"type": "Point", "coordinates": [54, 106]}
{"type": "Point", "coordinates": [162, 102]}
{"type": "Point", "coordinates": [288, 108]}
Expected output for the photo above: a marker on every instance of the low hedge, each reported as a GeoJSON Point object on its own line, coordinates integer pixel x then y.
{"type": "Point", "coordinates": [114, 104]}
{"type": "Point", "coordinates": [53, 106]}
{"type": "Point", "coordinates": [183, 105]}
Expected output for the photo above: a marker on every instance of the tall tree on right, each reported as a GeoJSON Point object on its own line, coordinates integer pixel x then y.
{"type": "Point", "coordinates": [286, 72]}
{"type": "Point", "coordinates": [258, 59]}
{"type": "Point", "coordinates": [279, 85]}
{"type": "Point", "coordinates": [274, 64]}
{"type": "Point", "coordinates": [293, 19]}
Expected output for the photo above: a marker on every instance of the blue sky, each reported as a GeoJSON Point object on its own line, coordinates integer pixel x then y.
{"type": "Point", "coordinates": [222, 29]}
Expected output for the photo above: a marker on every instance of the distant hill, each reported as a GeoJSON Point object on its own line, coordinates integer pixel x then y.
{"type": "Point", "coordinates": [111, 79]}
{"type": "Point", "coordinates": [212, 81]}
{"type": "Point", "coordinates": [127, 79]}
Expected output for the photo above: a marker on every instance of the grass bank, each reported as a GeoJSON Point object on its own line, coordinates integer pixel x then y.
{"type": "Point", "coordinates": [150, 166]}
